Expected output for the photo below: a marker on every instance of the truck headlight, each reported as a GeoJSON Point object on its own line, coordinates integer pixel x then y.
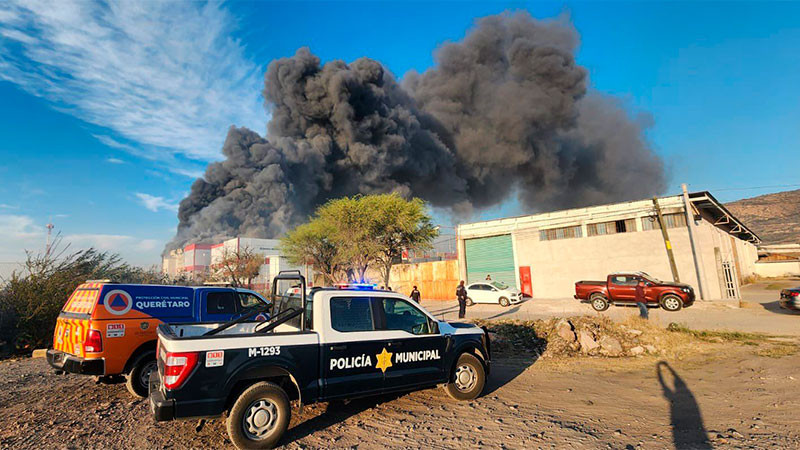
{"type": "Point", "coordinates": [687, 290]}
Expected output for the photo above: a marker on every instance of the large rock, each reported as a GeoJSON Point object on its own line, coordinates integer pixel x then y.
{"type": "Point", "coordinates": [587, 341]}
{"type": "Point", "coordinates": [636, 351]}
{"type": "Point", "coordinates": [610, 346]}
{"type": "Point", "coordinates": [564, 330]}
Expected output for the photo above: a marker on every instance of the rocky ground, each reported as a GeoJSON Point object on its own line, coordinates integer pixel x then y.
{"type": "Point", "coordinates": [720, 395]}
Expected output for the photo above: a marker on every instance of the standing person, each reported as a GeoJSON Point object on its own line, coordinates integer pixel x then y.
{"type": "Point", "coordinates": [489, 277]}
{"type": "Point", "coordinates": [461, 295]}
{"type": "Point", "coordinates": [415, 294]}
{"type": "Point", "coordinates": [640, 299]}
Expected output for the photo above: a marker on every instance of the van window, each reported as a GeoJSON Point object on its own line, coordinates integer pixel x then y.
{"type": "Point", "coordinates": [220, 302]}
{"type": "Point", "coordinates": [351, 314]}
{"type": "Point", "coordinates": [248, 300]}
{"type": "Point", "coordinates": [402, 315]}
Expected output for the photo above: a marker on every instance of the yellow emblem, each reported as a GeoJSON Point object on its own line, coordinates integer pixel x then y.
{"type": "Point", "coordinates": [384, 360]}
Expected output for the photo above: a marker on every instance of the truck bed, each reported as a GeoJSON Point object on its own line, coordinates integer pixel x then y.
{"type": "Point", "coordinates": [194, 330]}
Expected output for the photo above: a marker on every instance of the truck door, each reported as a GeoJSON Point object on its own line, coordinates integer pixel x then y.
{"type": "Point", "coordinates": [352, 353]}
{"type": "Point", "coordinates": [622, 288]}
{"type": "Point", "coordinates": [416, 347]}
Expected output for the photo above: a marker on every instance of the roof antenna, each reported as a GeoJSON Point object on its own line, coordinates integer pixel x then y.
{"type": "Point", "coordinates": [49, 227]}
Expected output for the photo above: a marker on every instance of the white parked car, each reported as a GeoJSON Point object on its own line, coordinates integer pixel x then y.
{"type": "Point", "coordinates": [492, 292]}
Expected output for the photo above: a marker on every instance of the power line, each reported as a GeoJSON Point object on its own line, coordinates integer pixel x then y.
{"type": "Point", "coordinates": [754, 187]}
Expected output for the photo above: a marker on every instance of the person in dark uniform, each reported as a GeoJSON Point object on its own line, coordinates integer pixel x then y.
{"type": "Point", "coordinates": [461, 295]}
{"type": "Point", "coordinates": [415, 295]}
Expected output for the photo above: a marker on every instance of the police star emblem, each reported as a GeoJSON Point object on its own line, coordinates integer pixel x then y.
{"type": "Point", "coordinates": [384, 360]}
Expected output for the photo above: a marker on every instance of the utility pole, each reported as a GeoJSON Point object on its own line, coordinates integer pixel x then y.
{"type": "Point", "coordinates": [49, 227]}
{"type": "Point", "coordinates": [698, 266]}
{"type": "Point", "coordinates": [667, 243]}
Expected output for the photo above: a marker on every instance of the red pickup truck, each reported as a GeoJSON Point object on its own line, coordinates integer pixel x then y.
{"type": "Point", "coordinates": [620, 289]}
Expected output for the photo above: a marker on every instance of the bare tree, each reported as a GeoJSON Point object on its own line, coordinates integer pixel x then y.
{"type": "Point", "coordinates": [238, 267]}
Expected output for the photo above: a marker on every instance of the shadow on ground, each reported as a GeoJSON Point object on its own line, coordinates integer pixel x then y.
{"type": "Point", "coordinates": [775, 307]}
{"type": "Point", "coordinates": [504, 369]}
{"type": "Point", "coordinates": [336, 412]}
{"type": "Point", "coordinates": [688, 429]}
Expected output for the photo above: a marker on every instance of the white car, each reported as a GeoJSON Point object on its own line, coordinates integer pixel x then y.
{"type": "Point", "coordinates": [492, 292]}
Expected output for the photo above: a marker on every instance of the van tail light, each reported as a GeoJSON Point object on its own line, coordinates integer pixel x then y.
{"type": "Point", "coordinates": [177, 368]}
{"type": "Point", "coordinates": [794, 294]}
{"type": "Point", "coordinates": [94, 342]}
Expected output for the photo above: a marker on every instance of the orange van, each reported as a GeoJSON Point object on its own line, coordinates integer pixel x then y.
{"type": "Point", "coordinates": [107, 329]}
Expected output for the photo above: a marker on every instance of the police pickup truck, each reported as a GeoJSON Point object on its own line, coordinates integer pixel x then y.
{"type": "Point", "coordinates": [319, 346]}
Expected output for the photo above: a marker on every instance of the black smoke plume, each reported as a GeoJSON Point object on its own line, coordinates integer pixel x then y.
{"type": "Point", "coordinates": [504, 112]}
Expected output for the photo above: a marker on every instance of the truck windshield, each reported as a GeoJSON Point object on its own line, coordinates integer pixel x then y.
{"type": "Point", "coordinates": [651, 278]}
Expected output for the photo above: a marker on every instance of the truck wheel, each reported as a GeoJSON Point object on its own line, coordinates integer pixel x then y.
{"type": "Point", "coordinates": [259, 417]}
{"type": "Point", "coordinates": [138, 379]}
{"type": "Point", "coordinates": [470, 302]}
{"type": "Point", "coordinates": [671, 303]}
{"type": "Point", "coordinates": [504, 302]}
{"type": "Point", "coordinates": [599, 303]}
{"type": "Point", "coordinates": [468, 378]}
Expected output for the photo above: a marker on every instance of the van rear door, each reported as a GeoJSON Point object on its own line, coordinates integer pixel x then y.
{"type": "Point", "coordinates": [72, 324]}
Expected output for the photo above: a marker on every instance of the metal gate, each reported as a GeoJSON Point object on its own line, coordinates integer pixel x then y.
{"type": "Point", "coordinates": [731, 286]}
{"type": "Point", "coordinates": [493, 256]}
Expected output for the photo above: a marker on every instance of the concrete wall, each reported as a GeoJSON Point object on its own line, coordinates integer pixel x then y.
{"type": "Point", "coordinates": [771, 269]}
{"type": "Point", "coordinates": [436, 280]}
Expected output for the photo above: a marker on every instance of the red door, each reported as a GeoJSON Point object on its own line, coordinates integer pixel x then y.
{"type": "Point", "coordinates": [525, 280]}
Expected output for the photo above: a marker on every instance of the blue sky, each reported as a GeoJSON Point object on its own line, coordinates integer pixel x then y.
{"type": "Point", "coordinates": [109, 111]}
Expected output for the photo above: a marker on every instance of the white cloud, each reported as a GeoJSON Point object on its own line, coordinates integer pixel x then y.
{"type": "Point", "coordinates": [155, 203]}
{"type": "Point", "coordinates": [19, 227]}
{"type": "Point", "coordinates": [103, 242]}
{"type": "Point", "coordinates": [7, 206]}
{"type": "Point", "coordinates": [186, 171]}
{"type": "Point", "coordinates": [164, 75]}
{"type": "Point", "coordinates": [115, 160]}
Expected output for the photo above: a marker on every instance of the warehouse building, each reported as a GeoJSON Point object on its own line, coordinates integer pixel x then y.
{"type": "Point", "coordinates": [199, 261]}
{"type": "Point", "coordinates": [545, 254]}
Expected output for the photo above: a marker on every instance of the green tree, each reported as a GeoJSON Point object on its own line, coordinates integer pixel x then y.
{"type": "Point", "coordinates": [397, 224]}
{"type": "Point", "coordinates": [350, 222]}
{"type": "Point", "coordinates": [314, 243]}
{"type": "Point", "coordinates": [347, 235]}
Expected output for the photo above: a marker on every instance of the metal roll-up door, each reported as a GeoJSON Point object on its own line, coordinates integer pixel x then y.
{"type": "Point", "coordinates": [493, 256]}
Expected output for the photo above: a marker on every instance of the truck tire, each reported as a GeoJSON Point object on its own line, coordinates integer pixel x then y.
{"type": "Point", "coordinates": [470, 302]}
{"type": "Point", "coordinates": [599, 303]}
{"type": "Point", "coordinates": [504, 302]}
{"type": "Point", "coordinates": [138, 379]}
{"type": "Point", "coordinates": [259, 416]}
{"type": "Point", "coordinates": [468, 378]}
{"type": "Point", "coordinates": [671, 302]}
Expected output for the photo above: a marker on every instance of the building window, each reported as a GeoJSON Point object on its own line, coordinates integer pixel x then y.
{"type": "Point", "coordinates": [560, 233]}
{"type": "Point", "coordinates": [617, 226]}
{"type": "Point", "coordinates": [674, 220]}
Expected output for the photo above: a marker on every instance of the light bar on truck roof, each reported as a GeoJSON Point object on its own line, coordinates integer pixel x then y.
{"type": "Point", "coordinates": [356, 286]}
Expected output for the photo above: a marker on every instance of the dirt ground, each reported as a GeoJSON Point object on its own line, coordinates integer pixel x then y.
{"type": "Point", "coordinates": [725, 396]}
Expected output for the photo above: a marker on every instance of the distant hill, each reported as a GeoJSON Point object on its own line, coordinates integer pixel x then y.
{"type": "Point", "coordinates": [775, 218]}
